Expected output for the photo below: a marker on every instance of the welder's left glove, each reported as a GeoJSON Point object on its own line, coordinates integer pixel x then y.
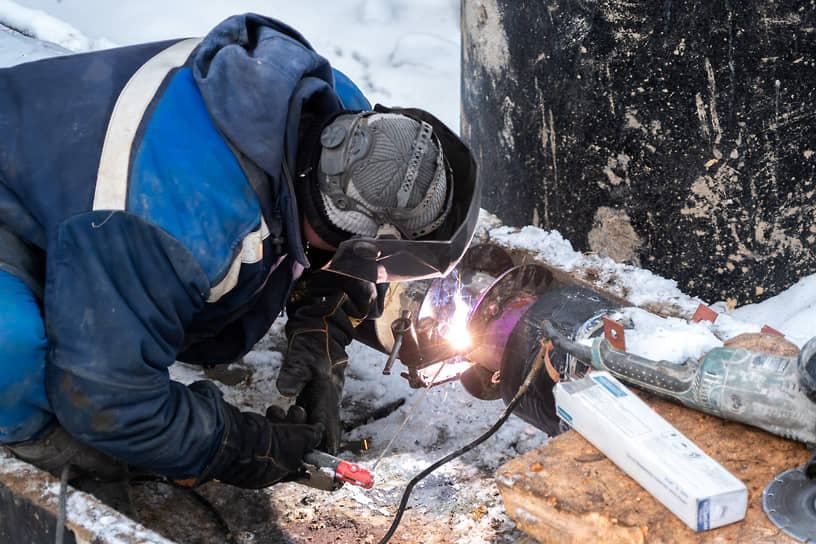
{"type": "Point", "coordinates": [256, 451]}
{"type": "Point", "coordinates": [323, 311]}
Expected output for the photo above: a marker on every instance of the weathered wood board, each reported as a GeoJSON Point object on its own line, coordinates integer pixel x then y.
{"type": "Point", "coordinates": [569, 492]}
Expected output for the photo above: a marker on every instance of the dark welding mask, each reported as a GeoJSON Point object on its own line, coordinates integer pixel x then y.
{"type": "Point", "coordinates": [397, 195]}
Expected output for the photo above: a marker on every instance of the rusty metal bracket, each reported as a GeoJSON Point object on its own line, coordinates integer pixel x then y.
{"type": "Point", "coordinates": [613, 332]}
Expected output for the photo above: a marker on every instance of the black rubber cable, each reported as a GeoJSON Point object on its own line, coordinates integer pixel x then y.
{"type": "Point", "coordinates": [217, 518]}
{"type": "Point", "coordinates": [539, 362]}
{"type": "Point", "coordinates": [59, 534]}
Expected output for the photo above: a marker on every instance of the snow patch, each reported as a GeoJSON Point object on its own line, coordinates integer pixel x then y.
{"type": "Point", "coordinates": [42, 26]}
{"type": "Point", "coordinates": [668, 339]}
{"type": "Point", "coordinates": [636, 285]}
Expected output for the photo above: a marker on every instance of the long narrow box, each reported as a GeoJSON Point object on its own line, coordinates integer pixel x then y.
{"type": "Point", "coordinates": [692, 485]}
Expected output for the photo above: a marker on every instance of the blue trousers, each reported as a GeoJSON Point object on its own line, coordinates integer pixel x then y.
{"type": "Point", "coordinates": [24, 409]}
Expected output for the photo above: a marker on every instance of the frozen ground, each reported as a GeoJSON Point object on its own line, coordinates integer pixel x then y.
{"type": "Point", "coordinates": [402, 53]}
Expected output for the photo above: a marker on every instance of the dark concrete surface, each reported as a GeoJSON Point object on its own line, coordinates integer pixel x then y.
{"type": "Point", "coordinates": [676, 134]}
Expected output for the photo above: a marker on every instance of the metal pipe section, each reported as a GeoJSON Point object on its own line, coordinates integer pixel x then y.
{"type": "Point", "coordinates": [513, 312]}
{"type": "Point", "coordinates": [494, 317]}
{"type": "Point", "coordinates": [762, 385]}
{"type": "Point", "coordinates": [559, 314]}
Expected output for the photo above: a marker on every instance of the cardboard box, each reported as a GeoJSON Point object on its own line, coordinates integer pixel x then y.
{"type": "Point", "coordinates": [693, 486]}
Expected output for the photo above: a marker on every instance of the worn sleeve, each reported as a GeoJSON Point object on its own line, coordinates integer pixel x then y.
{"type": "Point", "coordinates": [119, 293]}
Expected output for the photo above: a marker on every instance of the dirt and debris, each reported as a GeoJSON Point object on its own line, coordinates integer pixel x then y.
{"type": "Point", "coordinates": [291, 513]}
{"type": "Point", "coordinates": [459, 502]}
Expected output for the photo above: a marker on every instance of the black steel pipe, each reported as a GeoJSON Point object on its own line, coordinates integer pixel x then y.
{"type": "Point", "coordinates": [555, 316]}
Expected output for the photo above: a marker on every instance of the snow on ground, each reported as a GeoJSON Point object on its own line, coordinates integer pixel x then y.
{"type": "Point", "coordinates": [635, 284]}
{"type": "Point", "coordinates": [407, 53]}
{"type": "Point", "coordinates": [39, 24]}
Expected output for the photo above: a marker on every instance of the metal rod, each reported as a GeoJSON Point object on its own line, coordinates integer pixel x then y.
{"type": "Point", "coordinates": [399, 328]}
{"type": "Point", "coordinates": [59, 534]}
{"type": "Point", "coordinates": [393, 355]}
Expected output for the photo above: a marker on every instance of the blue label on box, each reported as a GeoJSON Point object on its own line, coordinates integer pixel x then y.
{"type": "Point", "coordinates": [564, 415]}
{"type": "Point", "coordinates": [704, 515]}
{"type": "Point", "coordinates": [610, 386]}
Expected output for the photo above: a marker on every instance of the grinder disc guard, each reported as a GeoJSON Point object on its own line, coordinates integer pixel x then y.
{"type": "Point", "coordinates": [790, 502]}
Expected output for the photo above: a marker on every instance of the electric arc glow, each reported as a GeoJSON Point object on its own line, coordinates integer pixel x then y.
{"type": "Point", "coordinates": [456, 331]}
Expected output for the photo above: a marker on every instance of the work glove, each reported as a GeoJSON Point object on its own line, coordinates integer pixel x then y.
{"type": "Point", "coordinates": [306, 374]}
{"type": "Point", "coordinates": [257, 451]}
{"type": "Point", "coordinates": [321, 401]}
{"type": "Point", "coordinates": [323, 311]}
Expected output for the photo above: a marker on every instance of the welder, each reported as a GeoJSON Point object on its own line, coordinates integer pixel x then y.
{"type": "Point", "coordinates": [160, 203]}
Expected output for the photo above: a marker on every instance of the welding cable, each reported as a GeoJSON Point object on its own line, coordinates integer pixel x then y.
{"type": "Point", "coordinates": [146, 479]}
{"type": "Point", "coordinates": [579, 351]}
{"type": "Point", "coordinates": [59, 533]}
{"type": "Point", "coordinates": [541, 359]}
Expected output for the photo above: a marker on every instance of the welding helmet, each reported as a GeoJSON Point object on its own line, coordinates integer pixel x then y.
{"type": "Point", "coordinates": [395, 191]}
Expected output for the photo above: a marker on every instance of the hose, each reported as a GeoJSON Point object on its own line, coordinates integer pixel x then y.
{"type": "Point", "coordinates": [579, 351]}
{"type": "Point", "coordinates": [543, 356]}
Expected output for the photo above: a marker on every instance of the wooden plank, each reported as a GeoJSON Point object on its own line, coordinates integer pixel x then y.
{"type": "Point", "coordinates": [569, 492]}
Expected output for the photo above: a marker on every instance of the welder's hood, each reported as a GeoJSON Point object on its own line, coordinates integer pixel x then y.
{"type": "Point", "coordinates": [383, 260]}
{"type": "Point", "coordinates": [255, 73]}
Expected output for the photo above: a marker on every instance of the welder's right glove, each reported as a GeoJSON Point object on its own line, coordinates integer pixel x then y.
{"type": "Point", "coordinates": [323, 311]}
{"type": "Point", "coordinates": [258, 451]}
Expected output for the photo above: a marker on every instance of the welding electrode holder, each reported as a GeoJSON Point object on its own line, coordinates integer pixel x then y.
{"type": "Point", "coordinates": [328, 473]}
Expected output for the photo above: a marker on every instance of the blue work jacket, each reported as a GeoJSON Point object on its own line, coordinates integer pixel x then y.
{"type": "Point", "coordinates": [154, 177]}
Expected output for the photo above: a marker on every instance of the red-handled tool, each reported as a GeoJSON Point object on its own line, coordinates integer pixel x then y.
{"type": "Point", "coordinates": [337, 471]}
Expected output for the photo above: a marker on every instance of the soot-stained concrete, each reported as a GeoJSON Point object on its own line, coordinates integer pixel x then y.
{"type": "Point", "coordinates": [693, 120]}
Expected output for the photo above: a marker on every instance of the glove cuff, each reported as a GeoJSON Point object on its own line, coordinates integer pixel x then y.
{"type": "Point", "coordinates": [227, 451]}
{"type": "Point", "coordinates": [256, 453]}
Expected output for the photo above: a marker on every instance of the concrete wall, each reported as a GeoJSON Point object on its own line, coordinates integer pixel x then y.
{"type": "Point", "coordinates": [677, 135]}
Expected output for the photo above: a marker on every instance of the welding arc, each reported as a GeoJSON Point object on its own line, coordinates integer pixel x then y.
{"type": "Point", "coordinates": [541, 358]}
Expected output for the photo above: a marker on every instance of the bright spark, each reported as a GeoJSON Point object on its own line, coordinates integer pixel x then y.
{"type": "Point", "coordinates": [457, 333]}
